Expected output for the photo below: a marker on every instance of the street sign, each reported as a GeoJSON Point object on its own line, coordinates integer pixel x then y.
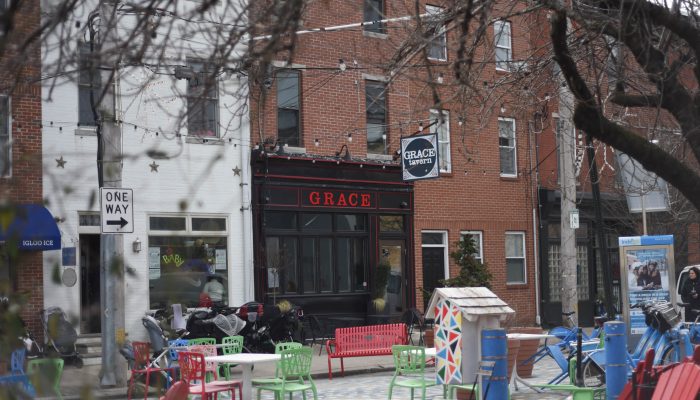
{"type": "Point", "coordinates": [117, 211]}
{"type": "Point", "coordinates": [573, 219]}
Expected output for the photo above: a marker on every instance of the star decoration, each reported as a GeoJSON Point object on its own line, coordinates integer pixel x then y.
{"type": "Point", "coordinates": [61, 163]}
{"type": "Point", "coordinates": [237, 171]}
{"type": "Point", "coordinates": [154, 166]}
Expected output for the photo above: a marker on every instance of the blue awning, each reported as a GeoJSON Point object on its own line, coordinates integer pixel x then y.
{"type": "Point", "coordinates": [29, 227]}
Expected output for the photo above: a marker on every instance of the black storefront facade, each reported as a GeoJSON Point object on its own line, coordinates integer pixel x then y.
{"type": "Point", "coordinates": [588, 254]}
{"type": "Point", "coordinates": [333, 236]}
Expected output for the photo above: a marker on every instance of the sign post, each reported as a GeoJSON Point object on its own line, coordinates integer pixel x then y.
{"type": "Point", "coordinates": [116, 208]}
{"type": "Point", "coordinates": [419, 157]}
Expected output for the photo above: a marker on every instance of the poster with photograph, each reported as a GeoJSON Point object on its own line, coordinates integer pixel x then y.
{"type": "Point", "coordinates": [647, 263]}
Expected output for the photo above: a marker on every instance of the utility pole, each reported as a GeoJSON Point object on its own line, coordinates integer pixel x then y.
{"type": "Point", "coordinates": [567, 182]}
{"type": "Point", "coordinates": [109, 164]}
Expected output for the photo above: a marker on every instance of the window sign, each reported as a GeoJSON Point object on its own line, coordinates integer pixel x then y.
{"type": "Point", "coordinates": [419, 157]}
{"type": "Point", "coordinates": [220, 259]}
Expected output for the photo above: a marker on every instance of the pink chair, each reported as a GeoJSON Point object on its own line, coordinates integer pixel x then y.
{"type": "Point", "coordinates": [207, 350]}
{"type": "Point", "coordinates": [193, 373]}
{"type": "Point", "coordinates": [179, 391]}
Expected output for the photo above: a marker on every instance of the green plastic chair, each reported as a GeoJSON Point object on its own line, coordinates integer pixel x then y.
{"type": "Point", "coordinates": [577, 393]}
{"type": "Point", "coordinates": [45, 375]}
{"type": "Point", "coordinates": [279, 348]}
{"type": "Point", "coordinates": [452, 390]}
{"type": "Point", "coordinates": [230, 345]}
{"type": "Point", "coordinates": [295, 374]}
{"type": "Point", "coordinates": [409, 363]}
{"type": "Point", "coordinates": [207, 340]}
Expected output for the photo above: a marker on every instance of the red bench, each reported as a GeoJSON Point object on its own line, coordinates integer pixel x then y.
{"type": "Point", "coordinates": [361, 341]}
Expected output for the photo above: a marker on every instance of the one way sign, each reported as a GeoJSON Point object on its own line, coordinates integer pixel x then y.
{"type": "Point", "coordinates": [117, 211]}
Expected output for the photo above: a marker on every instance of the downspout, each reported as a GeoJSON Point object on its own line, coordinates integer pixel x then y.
{"type": "Point", "coordinates": [535, 207]}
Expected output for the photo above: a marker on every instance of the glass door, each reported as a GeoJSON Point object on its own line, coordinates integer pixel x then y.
{"type": "Point", "coordinates": [390, 279]}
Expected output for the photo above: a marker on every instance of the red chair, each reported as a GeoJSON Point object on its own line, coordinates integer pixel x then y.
{"type": "Point", "coordinates": [178, 391]}
{"type": "Point", "coordinates": [142, 361]}
{"type": "Point", "coordinates": [193, 372]}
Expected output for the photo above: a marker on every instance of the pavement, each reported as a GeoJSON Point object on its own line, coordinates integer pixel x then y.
{"type": "Point", "coordinates": [365, 378]}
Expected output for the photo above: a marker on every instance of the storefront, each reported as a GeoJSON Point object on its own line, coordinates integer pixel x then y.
{"type": "Point", "coordinates": [333, 237]}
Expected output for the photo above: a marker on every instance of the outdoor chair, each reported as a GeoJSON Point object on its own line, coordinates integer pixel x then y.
{"type": "Point", "coordinates": [210, 367]}
{"type": "Point", "coordinates": [193, 373]}
{"type": "Point", "coordinates": [198, 341]}
{"type": "Point", "coordinates": [317, 332]}
{"type": "Point", "coordinates": [414, 320]}
{"type": "Point", "coordinates": [295, 374]}
{"type": "Point", "coordinates": [17, 359]}
{"type": "Point", "coordinates": [178, 391]}
{"type": "Point", "coordinates": [174, 347]}
{"type": "Point", "coordinates": [45, 375]}
{"type": "Point", "coordinates": [142, 360]}
{"type": "Point", "coordinates": [230, 345]}
{"type": "Point", "coordinates": [409, 364]}
{"type": "Point", "coordinates": [13, 384]}
{"type": "Point", "coordinates": [279, 348]}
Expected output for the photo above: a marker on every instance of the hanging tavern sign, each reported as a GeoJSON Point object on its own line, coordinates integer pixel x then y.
{"type": "Point", "coordinates": [419, 157]}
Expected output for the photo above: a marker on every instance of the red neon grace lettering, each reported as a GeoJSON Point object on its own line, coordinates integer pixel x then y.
{"type": "Point", "coordinates": [341, 201]}
{"type": "Point", "coordinates": [352, 199]}
{"type": "Point", "coordinates": [365, 200]}
{"type": "Point", "coordinates": [328, 199]}
{"type": "Point", "coordinates": [314, 198]}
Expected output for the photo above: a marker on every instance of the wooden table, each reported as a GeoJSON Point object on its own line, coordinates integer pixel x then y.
{"type": "Point", "coordinates": [246, 360]}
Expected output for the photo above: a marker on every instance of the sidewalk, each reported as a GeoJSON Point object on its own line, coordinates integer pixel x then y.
{"type": "Point", "coordinates": [365, 378]}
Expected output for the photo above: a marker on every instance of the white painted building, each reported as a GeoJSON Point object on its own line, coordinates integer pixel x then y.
{"type": "Point", "coordinates": [190, 178]}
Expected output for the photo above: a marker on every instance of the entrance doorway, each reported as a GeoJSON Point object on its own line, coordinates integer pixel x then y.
{"type": "Point", "coordinates": [392, 256]}
{"type": "Point", "coordinates": [90, 310]}
{"type": "Point", "coordinates": [434, 249]}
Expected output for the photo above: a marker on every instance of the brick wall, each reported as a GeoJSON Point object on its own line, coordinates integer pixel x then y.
{"type": "Point", "coordinates": [473, 196]}
{"type": "Point", "coordinates": [19, 70]}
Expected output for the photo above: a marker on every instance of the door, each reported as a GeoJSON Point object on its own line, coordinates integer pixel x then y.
{"type": "Point", "coordinates": [90, 312]}
{"type": "Point", "coordinates": [391, 275]}
{"type": "Point", "coordinates": [433, 271]}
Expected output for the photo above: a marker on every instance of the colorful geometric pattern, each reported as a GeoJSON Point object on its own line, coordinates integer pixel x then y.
{"type": "Point", "coordinates": [448, 343]}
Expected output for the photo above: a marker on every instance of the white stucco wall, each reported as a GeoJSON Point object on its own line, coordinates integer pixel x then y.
{"type": "Point", "coordinates": [198, 174]}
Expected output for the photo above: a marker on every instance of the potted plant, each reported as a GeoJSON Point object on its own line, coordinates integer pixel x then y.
{"type": "Point", "coordinates": [378, 303]}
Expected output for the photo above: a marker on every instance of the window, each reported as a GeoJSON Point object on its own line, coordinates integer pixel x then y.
{"type": "Point", "coordinates": [375, 94]}
{"type": "Point", "coordinates": [554, 262]}
{"type": "Point", "coordinates": [442, 128]}
{"type": "Point", "coordinates": [5, 129]}
{"type": "Point", "coordinates": [323, 253]}
{"type": "Point", "coordinates": [506, 145]}
{"type": "Point", "coordinates": [477, 237]}
{"type": "Point", "coordinates": [435, 258]}
{"type": "Point", "coordinates": [88, 80]}
{"type": "Point", "coordinates": [288, 106]}
{"type": "Point", "coordinates": [515, 257]}
{"type": "Point", "coordinates": [202, 102]}
{"type": "Point", "coordinates": [185, 254]}
{"type": "Point", "coordinates": [374, 11]}
{"type": "Point", "coordinates": [437, 49]}
{"type": "Point", "coordinates": [502, 39]}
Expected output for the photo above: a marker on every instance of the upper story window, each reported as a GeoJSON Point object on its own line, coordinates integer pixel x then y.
{"type": "Point", "coordinates": [374, 11]}
{"type": "Point", "coordinates": [288, 107]}
{"type": "Point", "coordinates": [375, 94]}
{"type": "Point", "coordinates": [202, 101]}
{"type": "Point", "coordinates": [88, 80]}
{"type": "Point", "coordinates": [437, 49]}
{"type": "Point", "coordinates": [515, 257]}
{"type": "Point", "coordinates": [5, 129]}
{"type": "Point", "coordinates": [442, 128]}
{"type": "Point", "coordinates": [506, 146]}
{"type": "Point", "coordinates": [503, 44]}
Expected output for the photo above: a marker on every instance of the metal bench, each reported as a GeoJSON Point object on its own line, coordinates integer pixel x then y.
{"type": "Point", "coordinates": [362, 341]}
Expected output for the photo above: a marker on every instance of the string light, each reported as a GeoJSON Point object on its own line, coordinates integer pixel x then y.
{"type": "Point", "coordinates": [350, 137]}
{"type": "Point", "coordinates": [316, 142]}
{"type": "Point", "coordinates": [341, 65]}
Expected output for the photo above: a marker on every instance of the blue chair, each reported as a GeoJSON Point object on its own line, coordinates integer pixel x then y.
{"type": "Point", "coordinates": [555, 352]}
{"type": "Point", "coordinates": [175, 346]}
{"type": "Point", "coordinates": [17, 361]}
{"type": "Point", "coordinates": [20, 381]}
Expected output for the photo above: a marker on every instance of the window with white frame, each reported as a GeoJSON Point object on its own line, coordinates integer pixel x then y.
{"type": "Point", "coordinates": [437, 48]}
{"type": "Point", "coordinates": [503, 44]}
{"type": "Point", "coordinates": [477, 238]}
{"type": "Point", "coordinates": [202, 101]}
{"type": "Point", "coordinates": [440, 124]}
{"type": "Point", "coordinates": [89, 80]}
{"type": "Point", "coordinates": [515, 257]}
{"type": "Point", "coordinates": [506, 146]}
{"type": "Point", "coordinates": [187, 257]}
{"type": "Point", "coordinates": [5, 129]}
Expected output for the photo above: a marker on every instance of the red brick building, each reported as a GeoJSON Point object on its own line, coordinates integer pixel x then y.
{"type": "Point", "coordinates": [331, 117]}
{"type": "Point", "coordinates": [20, 158]}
